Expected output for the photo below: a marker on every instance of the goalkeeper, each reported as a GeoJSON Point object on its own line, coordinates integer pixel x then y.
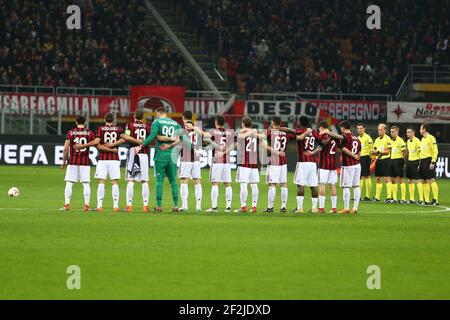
{"type": "Point", "coordinates": [166, 131]}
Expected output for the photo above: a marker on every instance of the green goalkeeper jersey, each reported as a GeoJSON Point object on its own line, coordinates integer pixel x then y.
{"type": "Point", "coordinates": [163, 127]}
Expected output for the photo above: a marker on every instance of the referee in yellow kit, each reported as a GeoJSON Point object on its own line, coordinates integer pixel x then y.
{"type": "Point", "coordinates": [412, 165]}
{"type": "Point", "coordinates": [382, 149]}
{"type": "Point", "coordinates": [427, 166]}
{"type": "Point", "coordinates": [365, 159]}
{"type": "Point", "coordinates": [398, 155]}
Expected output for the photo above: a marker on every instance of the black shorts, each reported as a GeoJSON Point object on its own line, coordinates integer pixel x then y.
{"type": "Point", "coordinates": [412, 169]}
{"type": "Point", "coordinates": [365, 166]}
{"type": "Point", "coordinates": [383, 168]}
{"type": "Point", "coordinates": [397, 168]}
{"type": "Point", "coordinates": [424, 170]}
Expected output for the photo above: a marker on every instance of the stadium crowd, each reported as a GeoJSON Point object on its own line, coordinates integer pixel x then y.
{"type": "Point", "coordinates": [113, 49]}
{"type": "Point", "coordinates": [295, 45]}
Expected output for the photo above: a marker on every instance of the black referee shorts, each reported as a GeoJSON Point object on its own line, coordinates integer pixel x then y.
{"type": "Point", "coordinates": [397, 168]}
{"type": "Point", "coordinates": [412, 169]}
{"type": "Point", "coordinates": [365, 166]}
{"type": "Point", "coordinates": [424, 170]}
{"type": "Point", "coordinates": [383, 168]}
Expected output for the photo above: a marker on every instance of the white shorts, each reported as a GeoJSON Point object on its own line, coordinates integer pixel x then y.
{"type": "Point", "coordinates": [107, 168]}
{"type": "Point", "coordinates": [328, 176]}
{"type": "Point", "coordinates": [306, 174]}
{"type": "Point", "coordinates": [350, 176]}
{"type": "Point", "coordinates": [78, 173]}
{"type": "Point", "coordinates": [276, 174]}
{"type": "Point", "coordinates": [247, 175]}
{"type": "Point", "coordinates": [220, 172]}
{"type": "Point", "coordinates": [143, 176]}
{"type": "Point", "coordinates": [190, 170]}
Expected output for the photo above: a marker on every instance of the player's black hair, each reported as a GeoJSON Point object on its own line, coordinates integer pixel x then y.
{"type": "Point", "coordinates": [323, 124]}
{"type": "Point", "coordinates": [304, 121]}
{"type": "Point", "coordinates": [81, 119]}
{"type": "Point", "coordinates": [109, 117]}
{"type": "Point", "coordinates": [187, 114]}
{"type": "Point", "coordinates": [220, 120]}
{"type": "Point", "coordinates": [345, 124]}
{"type": "Point", "coordinates": [426, 126]}
{"type": "Point", "coordinates": [411, 128]}
{"type": "Point", "coordinates": [276, 120]}
{"type": "Point", "coordinates": [139, 114]}
{"type": "Point", "coordinates": [247, 122]}
{"type": "Point", "coordinates": [361, 125]}
{"type": "Point", "coordinates": [161, 110]}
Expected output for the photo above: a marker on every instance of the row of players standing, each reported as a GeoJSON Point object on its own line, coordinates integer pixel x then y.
{"type": "Point", "coordinates": [275, 141]}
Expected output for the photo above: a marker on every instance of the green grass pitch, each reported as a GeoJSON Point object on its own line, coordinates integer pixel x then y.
{"type": "Point", "coordinates": [214, 256]}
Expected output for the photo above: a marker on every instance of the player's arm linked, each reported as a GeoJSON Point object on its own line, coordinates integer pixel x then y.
{"type": "Point", "coordinates": [65, 153]}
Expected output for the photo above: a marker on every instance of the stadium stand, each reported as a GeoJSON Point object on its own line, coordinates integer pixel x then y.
{"type": "Point", "coordinates": [115, 52]}
{"type": "Point", "coordinates": [297, 45]}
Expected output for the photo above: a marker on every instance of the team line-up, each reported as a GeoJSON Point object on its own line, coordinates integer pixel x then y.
{"type": "Point", "coordinates": [317, 159]}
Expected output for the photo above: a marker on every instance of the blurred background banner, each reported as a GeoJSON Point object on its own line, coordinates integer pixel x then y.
{"type": "Point", "coordinates": [419, 112]}
{"type": "Point", "coordinates": [68, 105]}
{"type": "Point", "coordinates": [153, 97]}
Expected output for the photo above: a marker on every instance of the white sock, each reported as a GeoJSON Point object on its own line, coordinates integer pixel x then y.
{"type": "Point", "coordinates": [87, 192]}
{"type": "Point", "coordinates": [255, 194]}
{"type": "Point", "coordinates": [300, 202]}
{"type": "Point", "coordinates": [198, 196]}
{"type": "Point", "coordinates": [229, 196]}
{"type": "Point", "coordinates": [115, 195]}
{"type": "Point", "coordinates": [356, 196]}
{"type": "Point", "coordinates": [214, 196]}
{"type": "Point", "coordinates": [321, 202]}
{"type": "Point", "coordinates": [243, 195]}
{"type": "Point", "coordinates": [314, 203]}
{"type": "Point", "coordinates": [100, 195]}
{"type": "Point", "coordinates": [284, 197]}
{"type": "Point", "coordinates": [271, 197]}
{"type": "Point", "coordinates": [184, 191]}
{"type": "Point", "coordinates": [130, 192]}
{"type": "Point", "coordinates": [333, 202]}
{"type": "Point", "coordinates": [346, 198]}
{"type": "Point", "coordinates": [145, 193]}
{"type": "Point", "coordinates": [68, 192]}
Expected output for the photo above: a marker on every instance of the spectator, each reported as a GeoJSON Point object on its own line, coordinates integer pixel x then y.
{"type": "Point", "coordinates": [115, 47]}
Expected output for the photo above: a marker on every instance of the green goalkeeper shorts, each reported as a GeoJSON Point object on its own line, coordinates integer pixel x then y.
{"type": "Point", "coordinates": [166, 169]}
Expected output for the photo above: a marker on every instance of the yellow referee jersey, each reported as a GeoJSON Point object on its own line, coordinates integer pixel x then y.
{"type": "Point", "coordinates": [397, 147]}
{"type": "Point", "coordinates": [366, 144]}
{"type": "Point", "coordinates": [413, 149]}
{"type": "Point", "coordinates": [382, 144]}
{"type": "Point", "coordinates": [428, 148]}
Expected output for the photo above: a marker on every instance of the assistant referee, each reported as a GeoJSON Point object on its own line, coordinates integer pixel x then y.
{"type": "Point", "coordinates": [427, 166]}
{"type": "Point", "coordinates": [412, 165]}
{"type": "Point", "coordinates": [366, 147]}
{"type": "Point", "coordinates": [382, 149]}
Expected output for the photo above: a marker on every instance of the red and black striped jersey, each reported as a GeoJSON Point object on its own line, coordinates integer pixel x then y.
{"type": "Point", "coordinates": [224, 139]}
{"type": "Point", "coordinates": [278, 140]}
{"type": "Point", "coordinates": [79, 136]}
{"type": "Point", "coordinates": [308, 144]}
{"type": "Point", "coordinates": [188, 152]}
{"type": "Point", "coordinates": [108, 134]}
{"type": "Point", "coordinates": [247, 153]}
{"type": "Point", "coordinates": [353, 144]}
{"type": "Point", "coordinates": [139, 131]}
{"type": "Point", "coordinates": [328, 152]}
